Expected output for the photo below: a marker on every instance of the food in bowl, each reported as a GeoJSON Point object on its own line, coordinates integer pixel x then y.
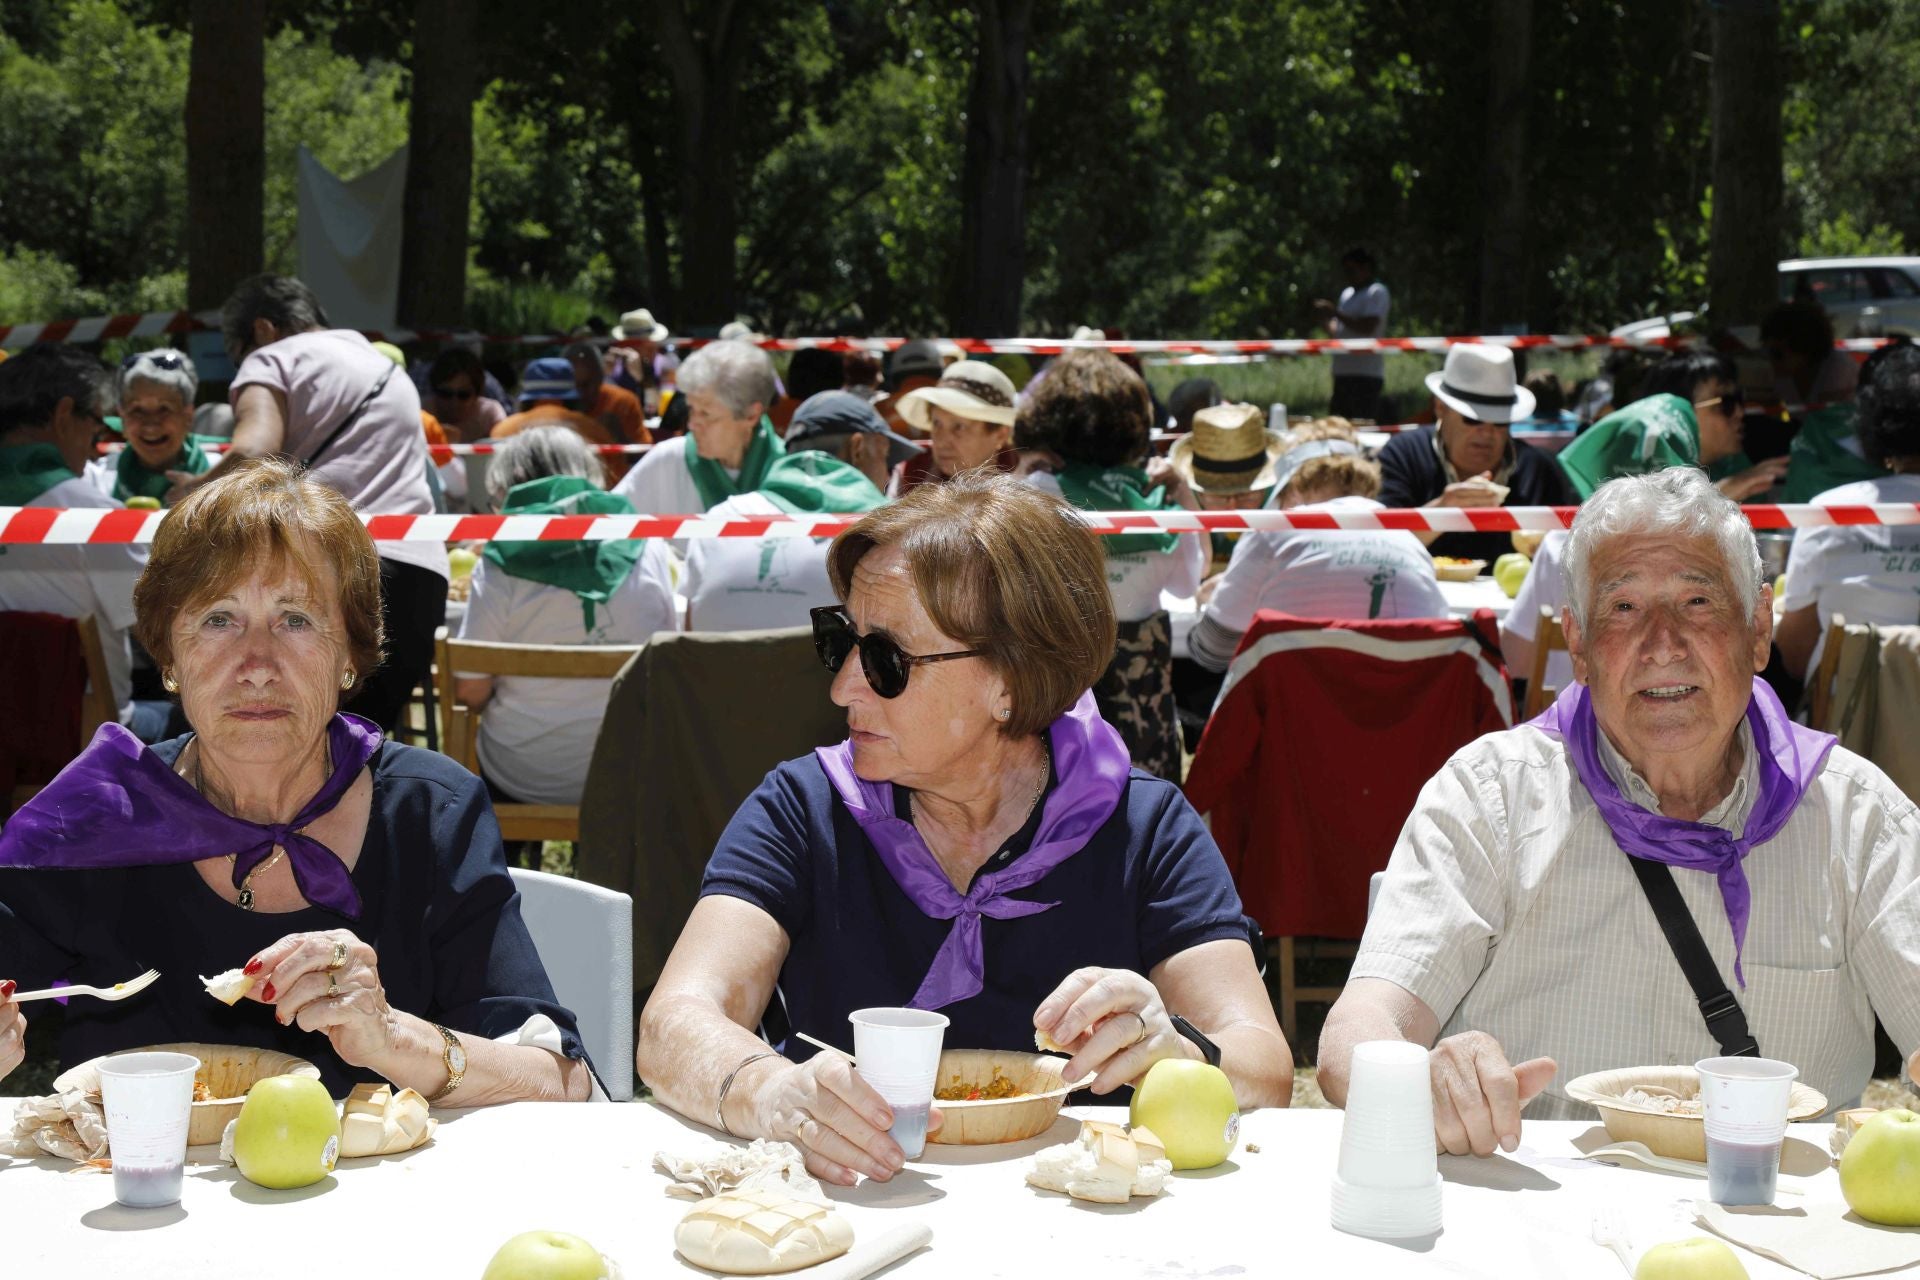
{"type": "Point", "coordinates": [1664, 1101]}
{"type": "Point", "coordinates": [995, 1089]}
{"type": "Point", "coordinates": [1454, 569]}
{"type": "Point", "coordinates": [1660, 1106]}
{"type": "Point", "coordinates": [1037, 1090]}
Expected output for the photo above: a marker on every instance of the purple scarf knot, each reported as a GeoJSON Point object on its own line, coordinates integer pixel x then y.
{"type": "Point", "coordinates": [120, 805]}
{"type": "Point", "coordinates": [1091, 762]}
{"type": "Point", "coordinates": [1788, 757]}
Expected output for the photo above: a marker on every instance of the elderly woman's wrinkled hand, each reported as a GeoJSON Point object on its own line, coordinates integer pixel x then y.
{"type": "Point", "coordinates": [13, 1030]}
{"type": "Point", "coordinates": [1162, 472]}
{"type": "Point", "coordinates": [1114, 1023]}
{"type": "Point", "coordinates": [328, 982]}
{"type": "Point", "coordinates": [836, 1119]}
{"type": "Point", "coordinates": [1477, 1094]}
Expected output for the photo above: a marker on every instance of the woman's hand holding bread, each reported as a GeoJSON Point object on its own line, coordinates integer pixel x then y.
{"type": "Point", "coordinates": [1113, 1023]}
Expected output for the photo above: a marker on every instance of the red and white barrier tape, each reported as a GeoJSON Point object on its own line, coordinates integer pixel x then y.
{"type": "Point", "coordinates": [156, 323]}
{"type": "Point", "coordinates": [49, 525]}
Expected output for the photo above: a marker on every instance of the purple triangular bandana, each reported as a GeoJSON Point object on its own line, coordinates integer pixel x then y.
{"type": "Point", "coordinates": [120, 805]}
{"type": "Point", "coordinates": [1091, 764]}
{"type": "Point", "coordinates": [1788, 758]}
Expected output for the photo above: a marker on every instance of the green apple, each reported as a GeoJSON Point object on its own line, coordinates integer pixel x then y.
{"type": "Point", "coordinates": [549, 1255]}
{"type": "Point", "coordinates": [1880, 1170]}
{"type": "Point", "coordinates": [1191, 1108]}
{"type": "Point", "coordinates": [288, 1134]}
{"type": "Point", "coordinates": [1700, 1258]}
{"type": "Point", "coordinates": [460, 562]}
{"type": "Point", "coordinates": [1509, 571]}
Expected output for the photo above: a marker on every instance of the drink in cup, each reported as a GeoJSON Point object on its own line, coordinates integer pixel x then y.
{"type": "Point", "coordinates": [1744, 1101]}
{"type": "Point", "coordinates": [897, 1052]}
{"type": "Point", "coordinates": [148, 1098]}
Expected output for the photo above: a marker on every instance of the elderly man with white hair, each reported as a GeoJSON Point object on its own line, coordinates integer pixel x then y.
{"type": "Point", "coordinates": [730, 441]}
{"type": "Point", "coordinates": [1660, 869]}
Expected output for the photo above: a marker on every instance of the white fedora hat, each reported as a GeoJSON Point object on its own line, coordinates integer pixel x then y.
{"type": "Point", "coordinates": [1478, 382]}
{"type": "Point", "coordinates": [639, 323]}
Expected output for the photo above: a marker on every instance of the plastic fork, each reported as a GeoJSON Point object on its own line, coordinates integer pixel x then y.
{"type": "Point", "coordinates": [1610, 1232]}
{"type": "Point", "coordinates": [118, 991]}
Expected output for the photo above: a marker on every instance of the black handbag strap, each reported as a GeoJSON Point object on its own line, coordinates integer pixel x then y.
{"type": "Point", "coordinates": [351, 418]}
{"type": "Point", "coordinates": [1726, 1020]}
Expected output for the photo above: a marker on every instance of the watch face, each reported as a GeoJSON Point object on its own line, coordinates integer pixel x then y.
{"type": "Point", "coordinates": [456, 1058]}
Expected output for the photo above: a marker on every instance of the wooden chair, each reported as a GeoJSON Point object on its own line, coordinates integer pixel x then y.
{"type": "Point", "coordinates": [97, 706]}
{"type": "Point", "coordinates": [1820, 692]}
{"type": "Point", "coordinates": [1547, 637]}
{"type": "Point", "coordinates": [460, 723]}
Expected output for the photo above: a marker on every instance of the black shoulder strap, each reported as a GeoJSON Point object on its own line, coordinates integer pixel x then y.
{"type": "Point", "coordinates": [1726, 1021]}
{"type": "Point", "coordinates": [351, 418]}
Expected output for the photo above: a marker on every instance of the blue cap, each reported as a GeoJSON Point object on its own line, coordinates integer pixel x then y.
{"type": "Point", "coordinates": [548, 378]}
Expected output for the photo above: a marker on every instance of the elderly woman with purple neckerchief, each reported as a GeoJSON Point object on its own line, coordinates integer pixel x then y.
{"type": "Point", "coordinates": [979, 845]}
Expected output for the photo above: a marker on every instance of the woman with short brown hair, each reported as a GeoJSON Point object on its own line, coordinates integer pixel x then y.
{"type": "Point", "coordinates": [361, 885]}
{"type": "Point", "coordinates": [1094, 415]}
{"type": "Point", "coordinates": [979, 845]}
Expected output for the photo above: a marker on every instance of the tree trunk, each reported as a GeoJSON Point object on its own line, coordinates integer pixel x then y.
{"type": "Point", "coordinates": [705, 68]}
{"type": "Point", "coordinates": [993, 210]}
{"type": "Point", "coordinates": [226, 148]}
{"type": "Point", "coordinates": [1503, 243]}
{"type": "Point", "coordinates": [439, 194]}
{"type": "Point", "coordinates": [1745, 238]}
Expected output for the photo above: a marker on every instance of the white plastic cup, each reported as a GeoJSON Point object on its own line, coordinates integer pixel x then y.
{"type": "Point", "coordinates": [897, 1051]}
{"type": "Point", "coordinates": [1388, 1183]}
{"type": "Point", "coordinates": [1744, 1103]}
{"type": "Point", "coordinates": [1276, 417]}
{"type": "Point", "coordinates": [148, 1098]}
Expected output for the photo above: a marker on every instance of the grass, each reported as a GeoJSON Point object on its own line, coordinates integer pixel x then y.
{"type": "Point", "coordinates": [1305, 383]}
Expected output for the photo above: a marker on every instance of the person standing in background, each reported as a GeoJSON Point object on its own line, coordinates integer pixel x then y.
{"type": "Point", "coordinates": [1358, 377]}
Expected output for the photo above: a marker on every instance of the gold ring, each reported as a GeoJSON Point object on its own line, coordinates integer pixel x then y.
{"type": "Point", "coordinates": [1143, 1028]}
{"type": "Point", "coordinates": [339, 955]}
{"type": "Point", "coordinates": [333, 988]}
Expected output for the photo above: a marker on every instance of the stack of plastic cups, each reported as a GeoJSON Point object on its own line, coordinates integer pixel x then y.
{"type": "Point", "coordinates": [1744, 1103]}
{"type": "Point", "coordinates": [897, 1051]}
{"type": "Point", "coordinates": [1388, 1184]}
{"type": "Point", "coordinates": [148, 1098]}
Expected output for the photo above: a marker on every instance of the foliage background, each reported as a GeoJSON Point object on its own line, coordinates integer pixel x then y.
{"type": "Point", "coordinates": [1194, 170]}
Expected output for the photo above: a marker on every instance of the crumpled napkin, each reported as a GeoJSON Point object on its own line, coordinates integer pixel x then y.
{"type": "Point", "coordinates": [69, 1125]}
{"type": "Point", "coordinates": [716, 1167]}
{"type": "Point", "coordinates": [1823, 1239]}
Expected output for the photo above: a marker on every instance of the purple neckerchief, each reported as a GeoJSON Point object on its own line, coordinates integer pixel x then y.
{"type": "Point", "coordinates": [1788, 757]}
{"type": "Point", "coordinates": [1091, 764]}
{"type": "Point", "coordinates": [120, 805]}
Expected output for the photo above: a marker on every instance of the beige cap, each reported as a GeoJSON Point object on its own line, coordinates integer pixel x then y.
{"type": "Point", "coordinates": [970, 389]}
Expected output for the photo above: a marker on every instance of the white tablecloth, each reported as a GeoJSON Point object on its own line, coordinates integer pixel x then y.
{"type": "Point", "coordinates": [1462, 599]}
{"type": "Point", "coordinates": [492, 1173]}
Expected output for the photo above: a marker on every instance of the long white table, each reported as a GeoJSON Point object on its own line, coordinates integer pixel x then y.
{"type": "Point", "coordinates": [489, 1174]}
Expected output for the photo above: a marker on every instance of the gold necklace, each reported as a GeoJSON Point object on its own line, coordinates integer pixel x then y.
{"type": "Point", "coordinates": [245, 898]}
{"type": "Point", "coordinates": [1046, 756]}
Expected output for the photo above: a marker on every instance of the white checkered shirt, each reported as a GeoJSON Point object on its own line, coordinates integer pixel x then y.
{"type": "Point", "coordinates": [1508, 908]}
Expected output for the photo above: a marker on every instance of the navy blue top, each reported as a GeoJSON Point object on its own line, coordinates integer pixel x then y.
{"type": "Point", "coordinates": [1149, 884]}
{"type": "Point", "coordinates": [1411, 476]}
{"type": "Point", "coordinates": [438, 908]}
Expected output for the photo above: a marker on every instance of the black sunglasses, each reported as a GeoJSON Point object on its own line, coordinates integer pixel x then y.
{"type": "Point", "coordinates": [884, 664]}
{"type": "Point", "coordinates": [168, 360]}
{"type": "Point", "coordinates": [454, 393]}
{"type": "Point", "coordinates": [1731, 403]}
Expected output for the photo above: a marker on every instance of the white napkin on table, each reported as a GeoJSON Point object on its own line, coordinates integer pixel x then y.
{"type": "Point", "coordinates": [1824, 1239]}
{"type": "Point", "coordinates": [69, 1125]}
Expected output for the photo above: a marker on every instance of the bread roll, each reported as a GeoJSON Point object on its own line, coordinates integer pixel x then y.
{"type": "Point", "coordinates": [1106, 1165]}
{"type": "Point", "coordinates": [756, 1233]}
{"type": "Point", "coordinates": [228, 987]}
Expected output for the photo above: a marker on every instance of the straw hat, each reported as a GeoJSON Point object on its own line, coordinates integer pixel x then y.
{"type": "Point", "coordinates": [970, 389]}
{"type": "Point", "coordinates": [1229, 451]}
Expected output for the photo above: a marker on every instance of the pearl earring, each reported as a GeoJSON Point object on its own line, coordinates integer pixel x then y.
{"type": "Point", "coordinates": [168, 683]}
{"type": "Point", "coordinates": [1005, 713]}
{"type": "Point", "coordinates": [346, 681]}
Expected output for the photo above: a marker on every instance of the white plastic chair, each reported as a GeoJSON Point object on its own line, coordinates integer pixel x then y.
{"type": "Point", "coordinates": [584, 934]}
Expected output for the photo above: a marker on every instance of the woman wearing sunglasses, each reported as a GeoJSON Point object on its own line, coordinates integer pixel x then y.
{"type": "Point", "coordinates": [155, 391]}
{"type": "Point", "coordinates": [978, 845]}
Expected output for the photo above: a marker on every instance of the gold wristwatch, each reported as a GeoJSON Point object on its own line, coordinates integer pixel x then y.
{"type": "Point", "coordinates": [456, 1060]}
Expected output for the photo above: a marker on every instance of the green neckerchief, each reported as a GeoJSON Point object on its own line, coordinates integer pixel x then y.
{"type": "Point", "coordinates": [1648, 435]}
{"type": "Point", "coordinates": [815, 483]}
{"type": "Point", "coordinates": [29, 470]}
{"type": "Point", "coordinates": [134, 479]}
{"type": "Point", "coordinates": [1826, 454]}
{"type": "Point", "coordinates": [711, 479]}
{"type": "Point", "coordinates": [591, 570]}
{"type": "Point", "coordinates": [1092, 488]}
